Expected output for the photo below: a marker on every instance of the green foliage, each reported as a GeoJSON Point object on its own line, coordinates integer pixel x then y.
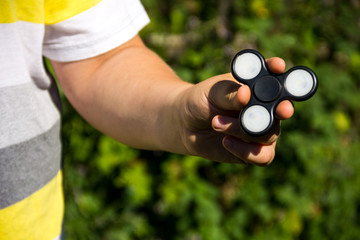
{"type": "Point", "coordinates": [310, 191]}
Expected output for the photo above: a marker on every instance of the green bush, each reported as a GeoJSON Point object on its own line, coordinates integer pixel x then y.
{"type": "Point", "coordinates": [310, 191]}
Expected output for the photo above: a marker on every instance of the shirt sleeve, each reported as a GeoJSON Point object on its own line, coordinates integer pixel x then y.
{"type": "Point", "coordinates": [94, 31]}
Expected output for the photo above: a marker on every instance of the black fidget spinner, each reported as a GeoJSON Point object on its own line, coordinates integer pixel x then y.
{"type": "Point", "coordinates": [268, 89]}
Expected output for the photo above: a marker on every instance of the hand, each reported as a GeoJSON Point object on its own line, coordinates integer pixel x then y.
{"type": "Point", "coordinates": [209, 125]}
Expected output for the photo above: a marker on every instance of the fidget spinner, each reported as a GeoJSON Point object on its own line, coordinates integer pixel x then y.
{"type": "Point", "coordinates": [268, 89]}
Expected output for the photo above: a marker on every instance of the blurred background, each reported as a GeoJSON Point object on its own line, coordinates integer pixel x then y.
{"type": "Point", "coordinates": [310, 191]}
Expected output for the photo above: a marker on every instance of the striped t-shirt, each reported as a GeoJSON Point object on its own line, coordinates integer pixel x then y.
{"type": "Point", "coordinates": [31, 201]}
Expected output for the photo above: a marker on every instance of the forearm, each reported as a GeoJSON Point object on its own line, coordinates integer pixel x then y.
{"type": "Point", "coordinates": [128, 94]}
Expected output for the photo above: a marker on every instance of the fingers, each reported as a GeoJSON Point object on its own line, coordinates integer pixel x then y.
{"type": "Point", "coordinates": [228, 94]}
{"type": "Point", "coordinates": [243, 95]}
{"type": "Point", "coordinates": [252, 153]}
{"type": "Point", "coordinates": [260, 150]}
{"type": "Point", "coordinates": [276, 65]}
{"type": "Point", "coordinates": [230, 126]}
{"type": "Point", "coordinates": [226, 149]}
{"type": "Point", "coordinates": [284, 110]}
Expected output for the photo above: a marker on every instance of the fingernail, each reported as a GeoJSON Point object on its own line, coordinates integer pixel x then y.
{"type": "Point", "coordinates": [219, 123]}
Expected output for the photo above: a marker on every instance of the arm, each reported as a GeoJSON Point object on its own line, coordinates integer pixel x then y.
{"type": "Point", "coordinates": [130, 94]}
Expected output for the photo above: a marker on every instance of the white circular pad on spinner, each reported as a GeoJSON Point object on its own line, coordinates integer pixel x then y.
{"type": "Point", "coordinates": [299, 83]}
{"type": "Point", "coordinates": [256, 118]}
{"type": "Point", "coordinates": [247, 66]}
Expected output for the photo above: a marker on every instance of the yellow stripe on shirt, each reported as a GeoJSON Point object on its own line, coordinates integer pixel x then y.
{"type": "Point", "coordinates": [42, 11]}
{"type": "Point", "coordinates": [22, 10]}
{"type": "Point", "coordinates": [37, 217]}
{"type": "Point", "coordinates": [59, 10]}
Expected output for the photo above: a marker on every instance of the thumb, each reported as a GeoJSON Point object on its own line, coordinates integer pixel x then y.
{"type": "Point", "coordinates": [228, 94]}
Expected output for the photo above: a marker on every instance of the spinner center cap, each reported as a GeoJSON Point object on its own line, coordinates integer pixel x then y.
{"type": "Point", "coordinates": [267, 89]}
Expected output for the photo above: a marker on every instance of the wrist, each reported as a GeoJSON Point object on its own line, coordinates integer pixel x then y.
{"type": "Point", "coordinates": [171, 125]}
